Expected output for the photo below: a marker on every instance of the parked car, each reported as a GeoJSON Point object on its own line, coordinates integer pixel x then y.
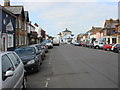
{"type": "Point", "coordinates": [81, 43]}
{"type": "Point", "coordinates": [56, 42]}
{"type": "Point", "coordinates": [12, 72]}
{"type": "Point", "coordinates": [76, 43]}
{"type": "Point", "coordinates": [48, 43]}
{"type": "Point", "coordinates": [41, 50]}
{"type": "Point", "coordinates": [98, 44]}
{"type": "Point", "coordinates": [119, 50]}
{"type": "Point", "coordinates": [30, 57]}
{"type": "Point", "coordinates": [108, 47]}
{"type": "Point", "coordinates": [44, 46]}
{"type": "Point", "coordinates": [115, 48]}
{"type": "Point", "coordinates": [38, 52]}
{"type": "Point", "coordinates": [91, 45]}
{"type": "Point", "coordinates": [87, 44]}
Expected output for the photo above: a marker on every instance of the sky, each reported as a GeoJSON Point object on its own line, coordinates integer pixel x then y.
{"type": "Point", "coordinates": [54, 16]}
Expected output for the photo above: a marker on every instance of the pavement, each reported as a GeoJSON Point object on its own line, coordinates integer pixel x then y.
{"type": "Point", "coordinates": [68, 66]}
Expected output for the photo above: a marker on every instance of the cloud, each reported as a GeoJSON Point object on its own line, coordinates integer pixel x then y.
{"type": "Point", "coordinates": [66, 1]}
{"type": "Point", "coordinates": [21, 1]}
{"type": "Point", "coordinates": [79, 17]}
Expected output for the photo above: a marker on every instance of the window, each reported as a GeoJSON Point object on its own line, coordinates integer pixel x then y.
{"type": "Point", "coordinates": [101, 43]}
{"type": "Point", "coordinates": [4, 21]}
{"type": "Point", "coordinates": [10, 40]}
{"type": "Point", "coordinates": [19, 23]}
{"type": "Point", "coordinates": [113, 40]}
{"type": "Point", "coordinates": [25, 40]}
{"type": "Point", "coordinates": [118, 45]}
{"type": "Point", "coordinates": [20, 39]}
{"type": "Point", "coordinates": [16, 23]}
{"type": "Point", "coordinates": [6, 65]}
{"type": "Point", "coordinates": [15, 59]}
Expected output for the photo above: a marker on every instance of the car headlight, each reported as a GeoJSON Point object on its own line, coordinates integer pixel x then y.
{"type": "Point", "coordinates": [31, 62]}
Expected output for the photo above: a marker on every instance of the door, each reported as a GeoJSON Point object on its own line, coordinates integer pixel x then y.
{"type": "Point", "coordinates": [8, 82]}
{"type": "Point", "coordinates": [19, 69]}
{"type": "Point", "coordinates": [4, 44]}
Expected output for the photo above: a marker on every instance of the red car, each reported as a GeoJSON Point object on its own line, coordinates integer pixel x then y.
{"type": "Point", "coordinates": [108, 47]}
{"type": "Point", "coordinates": [81, 44]}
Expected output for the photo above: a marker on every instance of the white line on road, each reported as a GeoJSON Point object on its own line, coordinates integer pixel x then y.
{"type": "Point", "coordinates": [48, 79]}
{"type": "Point", "coordinates": [50, 59]}
{"type": "Point", "coordinates": [46, 84]}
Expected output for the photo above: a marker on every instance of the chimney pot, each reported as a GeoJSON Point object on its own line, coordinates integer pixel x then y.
{"type": "Point", "coordinates": [6, 2]}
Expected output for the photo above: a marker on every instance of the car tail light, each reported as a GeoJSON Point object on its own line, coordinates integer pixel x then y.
{"type": "Point", "coordinates": [115, 47]}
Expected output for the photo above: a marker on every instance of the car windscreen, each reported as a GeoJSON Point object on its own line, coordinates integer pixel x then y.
{"type": "Point", "coordinates": [46, 41]}
{"type": "Point", "coordinates": [25, 51]}
{"type": "Point", "coordinates": [39, 47]}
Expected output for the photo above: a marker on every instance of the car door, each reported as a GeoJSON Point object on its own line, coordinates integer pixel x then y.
{"type": "Point", "coordinates": [38, 54]}
{"type": "Point", "coordinates": [19, 69]}
{"type": "Point", "coordinates": [7, 82]}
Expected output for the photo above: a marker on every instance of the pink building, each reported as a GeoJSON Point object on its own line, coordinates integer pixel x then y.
{"type": "Point", "coordinates": [99, 35]}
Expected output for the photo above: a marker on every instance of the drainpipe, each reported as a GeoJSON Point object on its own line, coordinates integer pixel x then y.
{"type": "Point", "coordinates": [0, 42]}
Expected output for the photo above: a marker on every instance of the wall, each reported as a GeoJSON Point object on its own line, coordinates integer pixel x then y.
{"type": "Point", "coordinates": [8, 19]}
{"type": "Point", "coordinates": [0, 28]}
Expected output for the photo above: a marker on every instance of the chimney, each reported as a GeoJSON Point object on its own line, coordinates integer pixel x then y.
{"type": "Point", "coordinates": [6, 2]}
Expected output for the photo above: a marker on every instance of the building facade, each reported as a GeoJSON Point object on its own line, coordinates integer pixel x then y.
{"type": "Point", "coordinates": [110, 32]}
{"type": "Point", "coordinates": [21, 23]}
{"type": "Point", "coordinates": [118, 32]}
{"type": "Point", "coordinates": [8, 30]}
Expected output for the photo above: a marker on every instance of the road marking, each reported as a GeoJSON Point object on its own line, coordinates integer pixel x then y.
{"type": "Point", "coordinates": [48, 79]}
{"type": "Point", "coordinates": [50, 59]}
{"type": "Point", "coordinates": [46, 84]}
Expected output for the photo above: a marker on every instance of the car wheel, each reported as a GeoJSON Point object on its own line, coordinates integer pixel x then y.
{"type": "Point", "coordinates": [97, 47]}
{"type": "Point", "coordinates": [116, 51]}
{"type": "Point", "coordinates": [119, 51]}
{"type": "Point", "coordinates": [44, 55]}
{"type": "Point", "coordinates": [24, 83]}
{"type": "Point", "coordinates": [37, 69]}
{"type": "Point", "coordinates": [108, 49]}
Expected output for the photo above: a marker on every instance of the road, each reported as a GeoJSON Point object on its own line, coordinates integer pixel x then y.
{"type": "Point", "coordinates": [68, 66]}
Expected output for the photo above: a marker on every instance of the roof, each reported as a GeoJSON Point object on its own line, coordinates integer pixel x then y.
{"type": "Point", "coordinates": [14, 9]}
{"type": "Point", "coordinates": [26, 16]}
{"type": "Point", "coordinates": [112, 23]}
{"type": "Point", "coordinates": [94, 30]}
{"type": "Point", "coordinates": [10, 13]}
{"type": "Point", "coordinates": [5, 52]}
{"type": "Point", "coordinates": [66, 30]}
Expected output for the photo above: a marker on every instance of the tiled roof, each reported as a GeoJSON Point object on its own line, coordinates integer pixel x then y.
{"type": "Point", "coordinates": [111, 23]}
{"type": "Point", "coordinates": [26, 16]}
{"type": "Point", "coordinates": [15, 9]}
{"type": "Point", "coordinates": [66, 30]}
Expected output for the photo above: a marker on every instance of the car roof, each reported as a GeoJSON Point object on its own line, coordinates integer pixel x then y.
{"type": "Point", "coordinates": [2, 53]}
{"type": "Point", "coordinates": [34, 44]}
{"type": "Point", "coordinates": [23, 47]}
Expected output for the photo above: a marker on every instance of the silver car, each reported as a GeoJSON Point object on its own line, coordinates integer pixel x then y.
{"type": "Point", "coordinates": [12, 73]}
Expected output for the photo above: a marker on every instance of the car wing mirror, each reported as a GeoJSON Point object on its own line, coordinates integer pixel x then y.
{"type": "Point", "coordinates": [9, 73]}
